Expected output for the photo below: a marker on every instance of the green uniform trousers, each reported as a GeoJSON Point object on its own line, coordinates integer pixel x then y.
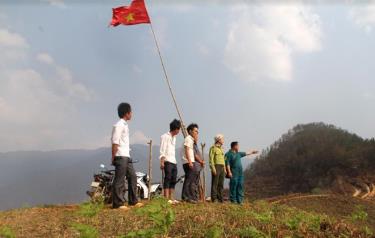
{"type": "Point", "coordinates": [236, 187]}
{"type": "Point", "coordinates": [217, 186]}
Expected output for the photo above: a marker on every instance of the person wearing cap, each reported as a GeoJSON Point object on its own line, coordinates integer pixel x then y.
{"type": "Point", "coordinates": [218, 169]}
{"type": "Point", "coordinates": [235, 172]}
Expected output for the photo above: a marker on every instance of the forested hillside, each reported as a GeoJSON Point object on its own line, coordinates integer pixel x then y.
{"type": "Point", "coordinates": [314, 157]}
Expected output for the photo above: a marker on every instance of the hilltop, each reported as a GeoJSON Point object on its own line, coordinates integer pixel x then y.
{"type": "Point", "coordinates": [315, 158]}
{"type": "Point", "coordinates": [293, 216]}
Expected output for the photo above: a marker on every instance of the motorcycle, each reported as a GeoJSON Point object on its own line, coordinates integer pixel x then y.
{"type": "Point", "coordinates": [101, 187]}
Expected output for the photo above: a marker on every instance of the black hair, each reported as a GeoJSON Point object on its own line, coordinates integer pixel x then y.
{"type": "Point", "coordinates": [123, 108]}
{"type": "Point", "coordinates": [191, 127]}
{"type": "Point", "coordinates": [174, 125]}
{"type": "Point", "coordinates": [233, 144]}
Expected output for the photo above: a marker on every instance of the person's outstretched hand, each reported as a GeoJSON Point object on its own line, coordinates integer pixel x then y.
{"type": "Point", "coordinates": [252, 152]}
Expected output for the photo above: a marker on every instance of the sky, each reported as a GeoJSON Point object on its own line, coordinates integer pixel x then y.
{"type": "Point", "coordinates": [250, 70]}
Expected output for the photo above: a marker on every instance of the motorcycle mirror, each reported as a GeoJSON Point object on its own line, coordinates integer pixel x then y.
{"type": "Point", "coordinates": [102, 166]}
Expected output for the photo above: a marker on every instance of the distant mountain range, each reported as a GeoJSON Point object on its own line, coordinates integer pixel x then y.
{"type": "Point", "coordinates": [30, 178]}
{"type": "Point", "coordinates": [33, 177]}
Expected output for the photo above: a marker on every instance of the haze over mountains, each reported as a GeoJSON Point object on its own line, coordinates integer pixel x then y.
{"type": "Point", "coordinates": [63, 176]}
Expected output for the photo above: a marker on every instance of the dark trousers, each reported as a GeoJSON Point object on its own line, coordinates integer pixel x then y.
{"type": "Point", "coordinates": [190, 188]}
{"type": "Point", "coordinates": [217, 185]}
{"type": "Point", "coordinates": [170, 175]}
{"type": "Point", "coordinates": [124, 168]}
{"type": "Point", "coordinates": [197, 172]}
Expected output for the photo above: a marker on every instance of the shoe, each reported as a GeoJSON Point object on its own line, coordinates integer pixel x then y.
{"type": "Point", "coordinates": [170, 202]}
{"type": "Point", "coordinates": [192, 201]}
{"type": "Point", "coordinates": [138, 204]}
{"type": "Point", "coordinates": [123, 208]}
{"type": "Point", "coordinates": [176, 202]}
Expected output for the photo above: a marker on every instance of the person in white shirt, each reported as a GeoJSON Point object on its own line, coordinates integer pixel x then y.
{"type": "Point", "coordinates": [188, 159]}
{"type": "Point", "coordinates": [122, 161]}
{"type": "Point", "coordinates": [168, 162]}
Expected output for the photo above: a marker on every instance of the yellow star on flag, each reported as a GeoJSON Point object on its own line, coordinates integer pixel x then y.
{"type": "Point", "coordinates": [130, 17]}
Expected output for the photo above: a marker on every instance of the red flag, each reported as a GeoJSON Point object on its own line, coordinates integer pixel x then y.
{"type": "Point", "coordinates": [136, 13]}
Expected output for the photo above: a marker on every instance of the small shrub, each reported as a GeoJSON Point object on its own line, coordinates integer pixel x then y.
{"type": "Point", "coordinates": [160, 212]}
{"type": "Point", "coordinates": [294, 221]}
{"type": "Point", "coordinates": [86, 231]}
{"type": "Point", "coordinates": [313, 222]}
{"type": "Point", "coordinates": [90, 209]}
{"type": "Point", "coordinates": [368, 231]}
{"type": "Point", "coordinates": [251, 232]}
{"type": "Point", "coordinates": [214, 232]}
{"type": "Point", "coordinates": [6, 232]}
{"type": "Point", "coordinates": [359, 214]}
{"type": "Point", "coordinates": [264, 217]}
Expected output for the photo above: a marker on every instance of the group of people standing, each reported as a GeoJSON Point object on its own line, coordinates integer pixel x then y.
{"type": "Point", "coordinates": [222, 165]}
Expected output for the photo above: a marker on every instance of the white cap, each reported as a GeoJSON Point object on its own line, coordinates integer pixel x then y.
{"type": "Point", "coordinates": [219, 137]}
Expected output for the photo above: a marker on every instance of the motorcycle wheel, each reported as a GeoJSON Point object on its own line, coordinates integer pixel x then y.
{"type": "Point", "coordinates": [157, 193]}
{"type": "Point", "coordinates": [97, 194]}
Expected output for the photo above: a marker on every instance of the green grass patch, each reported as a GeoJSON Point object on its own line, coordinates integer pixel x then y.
{"type": "Point", "coordinates": [85, 231]}
{"type": "Point", "coordinates": [6, 232]}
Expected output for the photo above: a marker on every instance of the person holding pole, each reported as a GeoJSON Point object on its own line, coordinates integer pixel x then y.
{"type": "Point", "coordinates": [235, 172]}
{"type": "Point", "coordinates": [168, 162]}
{"type": "Point", "coordinates": [188, 159]}
{"type": "Point", "coordinates": [122, 161]}
{"type": "Point", "coordinates": [218, 169]}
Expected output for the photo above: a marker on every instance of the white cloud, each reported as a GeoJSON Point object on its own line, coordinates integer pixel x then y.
{"type": "Point", "coordinates": [368, 95]}
{"type": "Point", "coordinates": [27, 96]}
{"type": "Point", "coordinates": [203, 49]}
{"type": "Point", "coordinates": [36, 104]}
{"type": "Point", "coordinates": [45, 58]}
{"type": "Point", "coordinates": [12, 47]}
{"type": "Point", "coordinates": [56, 3]}
{"type": "Point", "coordinates": [263, 38]}
{"type": "Point", "coordinates": [9, 39]}
{"type": "Point", "coordinates": [139, 138]}
{"type": "Point", "coordinates": [65, 79]}
{"type": "Point", "coordinates": [364, 15]}
{"type": "Point", "coordinates": [73, 88]}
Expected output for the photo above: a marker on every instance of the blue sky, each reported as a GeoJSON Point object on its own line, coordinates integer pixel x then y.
{"type": "Point", "coordinates": [250, 71]}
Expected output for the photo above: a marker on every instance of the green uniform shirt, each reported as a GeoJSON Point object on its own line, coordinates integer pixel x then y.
{"type": "Point", "coordinates": [234, 162]}
{"type": "Point", "coordinates": [216, 156]}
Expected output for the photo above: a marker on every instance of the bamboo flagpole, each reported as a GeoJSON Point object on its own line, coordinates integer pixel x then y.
{"type": "Point", "coordinates": [184, 132]}
{"type": "Point", "coordinates": [136, 13]}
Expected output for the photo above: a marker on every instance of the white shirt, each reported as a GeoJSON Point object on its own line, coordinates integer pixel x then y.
{"type": "Point", "coordinates": [189, 142]}
{"type": "Point", "coordinates": [168, 148]}
{"type": "Point", "coordinates": [120, 137]}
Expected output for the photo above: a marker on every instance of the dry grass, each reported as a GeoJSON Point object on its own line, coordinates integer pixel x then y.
{"type": "Point", "coordinates": [306, 217]}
